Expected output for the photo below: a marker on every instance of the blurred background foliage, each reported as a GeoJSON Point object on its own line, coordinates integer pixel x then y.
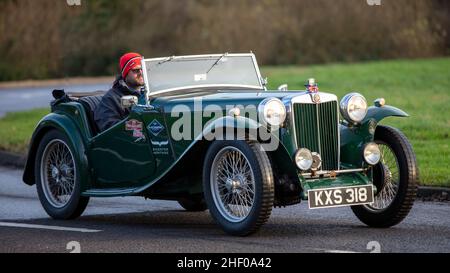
{"type": "Point", "coordinates": [50, 39]}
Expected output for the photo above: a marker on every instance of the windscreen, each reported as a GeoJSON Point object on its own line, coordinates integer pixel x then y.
{"type": "Point", "coordinates": [197, 71]}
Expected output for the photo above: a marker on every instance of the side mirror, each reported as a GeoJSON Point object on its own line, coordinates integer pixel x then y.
{"type": "Point", "coordinates": [283, 87]}
{"type": "Point", "coordinates": [128, 101]}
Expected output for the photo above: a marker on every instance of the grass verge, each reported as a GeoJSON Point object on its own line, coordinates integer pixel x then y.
{"type": "Point", "coordinates": [419, 87]}
{"type": "Point", "coordinates": [16, 129]}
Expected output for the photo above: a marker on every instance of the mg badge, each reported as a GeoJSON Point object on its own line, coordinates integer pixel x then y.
{"type": "Point", "coordinates": [316, 98]}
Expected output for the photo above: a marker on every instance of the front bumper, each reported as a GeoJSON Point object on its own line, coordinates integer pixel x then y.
{"type": "Point", "coordinates": [334, 179]}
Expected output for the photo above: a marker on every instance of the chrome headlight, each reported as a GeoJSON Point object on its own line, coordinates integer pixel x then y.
{"type": "Point", "coordinates": [372, 154]}
{"type": "Point", "coordinates": [354, 107]}
{"type": "Point", "coordinates": [304, 159]}
{"type": "Point", "coordinates": [272, 111]}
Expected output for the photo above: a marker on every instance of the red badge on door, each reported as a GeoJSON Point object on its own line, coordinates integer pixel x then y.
{"type": "Point", "coordinates": [135, 126]}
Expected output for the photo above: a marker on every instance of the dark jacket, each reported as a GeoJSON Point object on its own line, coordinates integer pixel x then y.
{"type": "Point", "coordinates": [110, 111]}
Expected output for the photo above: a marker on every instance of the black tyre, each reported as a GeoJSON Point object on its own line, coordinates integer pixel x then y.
{"type": "Point", "coordinates": [58, 177]}
{"type": "Point", "coordinates": [193, 203]}
{"type": "Point", "coordinates": [396, 178]}
{"type": "Point", "coordinates": [238, 186]}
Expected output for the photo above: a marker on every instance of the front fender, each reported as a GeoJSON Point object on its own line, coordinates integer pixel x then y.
{"type": "Point", "coordinates": [380, 113]}
{"type": "Point", "coordinates": [225, 128]}
{"type": "Point", "coordinates": [353, 138]}
{"type": "Point", "coordinates": [78, 143]}
{"type": "Point", "coordinates": [243, 128]}
{"type": "Point", "coordinates": [254, 131]}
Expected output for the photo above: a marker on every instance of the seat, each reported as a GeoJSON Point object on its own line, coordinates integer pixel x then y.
{"type": "Point", "coordinates": [91, 103]}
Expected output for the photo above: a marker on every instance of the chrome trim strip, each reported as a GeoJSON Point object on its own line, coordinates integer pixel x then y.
{"type": "Point", "coordinates": [200, 56]}
{"type": "Point", "coordinates": [338, 135]}
{"type": "Point", "coordinates": [306, 98]}
{"type": "Point", "coordinates": [318, 132]}
{"type": "Point", "coordinates": [258, 72]}
{"type": "Point", "coordinates": [147, 87]}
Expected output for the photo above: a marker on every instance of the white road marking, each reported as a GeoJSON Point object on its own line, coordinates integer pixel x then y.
{"type": "Point", "coordinates": [340, 251]}
{"type": "Point", "coordinates": [19, 225]}
{"type": "Point", "coordinates": [335, 251]}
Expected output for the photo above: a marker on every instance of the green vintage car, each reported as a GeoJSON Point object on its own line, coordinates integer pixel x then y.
{"type": "Point", "coordinates": [208, 134]}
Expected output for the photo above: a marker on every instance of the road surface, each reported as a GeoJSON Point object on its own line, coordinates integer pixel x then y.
{"type": "Point", "coordinates": [21, 99]}
{"type": "Point", "coordinates": [133, 224]}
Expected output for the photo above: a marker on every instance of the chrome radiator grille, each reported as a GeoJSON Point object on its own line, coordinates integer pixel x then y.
{"type": "Point", "coordinates": [316, 128]}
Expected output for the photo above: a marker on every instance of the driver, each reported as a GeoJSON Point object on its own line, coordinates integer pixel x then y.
{"type": "Point", "coordinates": [130, 81]}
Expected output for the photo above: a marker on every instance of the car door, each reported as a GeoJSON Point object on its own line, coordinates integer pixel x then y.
{"type": "Point", "coordinates": [122, 157]}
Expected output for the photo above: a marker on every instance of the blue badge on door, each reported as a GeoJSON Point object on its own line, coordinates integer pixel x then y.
{"type": "Point", "coordinates": [155, 127]}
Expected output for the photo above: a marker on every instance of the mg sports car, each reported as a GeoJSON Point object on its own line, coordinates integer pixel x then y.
{"type": "Point", "coordinates": [208, 134]}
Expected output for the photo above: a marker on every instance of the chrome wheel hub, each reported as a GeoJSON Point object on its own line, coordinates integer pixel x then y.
{"type": "Point", "coordinates": [55, 173]}
{"type": "Point", "coordinates": [235, 184]}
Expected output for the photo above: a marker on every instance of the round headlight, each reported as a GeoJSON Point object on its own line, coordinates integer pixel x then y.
{"type": "Point", "coordinates": [304, 159]}
{"type": "Point", "coordinates": [272, 111]}
{"type": "Point", "coordinates": [354, 107]}
{"type": "Point", "coordinates": [372, 154]}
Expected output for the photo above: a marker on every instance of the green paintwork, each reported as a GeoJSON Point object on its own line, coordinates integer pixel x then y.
{"type": "Point", "coordinates": [69, 118]}
{"type": "Point", "coordinates": [379, 113]}
{"type": "Point", "coordinates": [116, 163]}
{"type": "Point", "coordinates": [354, 137]}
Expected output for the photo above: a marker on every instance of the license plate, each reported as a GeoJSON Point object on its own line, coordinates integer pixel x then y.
{"type": "Point", "coordinates": [340, 197]}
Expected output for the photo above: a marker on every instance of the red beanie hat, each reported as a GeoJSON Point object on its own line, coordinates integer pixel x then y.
{"type": "Point", "coordinates": [129, 61]}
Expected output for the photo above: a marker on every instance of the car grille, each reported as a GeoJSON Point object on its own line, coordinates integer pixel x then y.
{"type": "Point", "coordinates": [316, 128]}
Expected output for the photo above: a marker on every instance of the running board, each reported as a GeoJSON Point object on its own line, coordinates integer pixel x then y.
{"type": "Point", "coordinates": [109, 192]}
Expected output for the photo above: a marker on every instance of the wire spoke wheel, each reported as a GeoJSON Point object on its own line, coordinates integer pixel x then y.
{"type": "Point", "coordinates": [232, 184]}
{"type": "Point", "coordinates": [238, 185]}
{"type": "Point", "coordinates": [389, 167]}
{"type": "Point", "coordinates": [396, 178]}
{"type": "Point", "coordinates": [58, 173]}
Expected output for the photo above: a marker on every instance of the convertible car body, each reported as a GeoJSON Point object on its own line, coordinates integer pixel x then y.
{"type": "Point", "coordinates": [211, 136]}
